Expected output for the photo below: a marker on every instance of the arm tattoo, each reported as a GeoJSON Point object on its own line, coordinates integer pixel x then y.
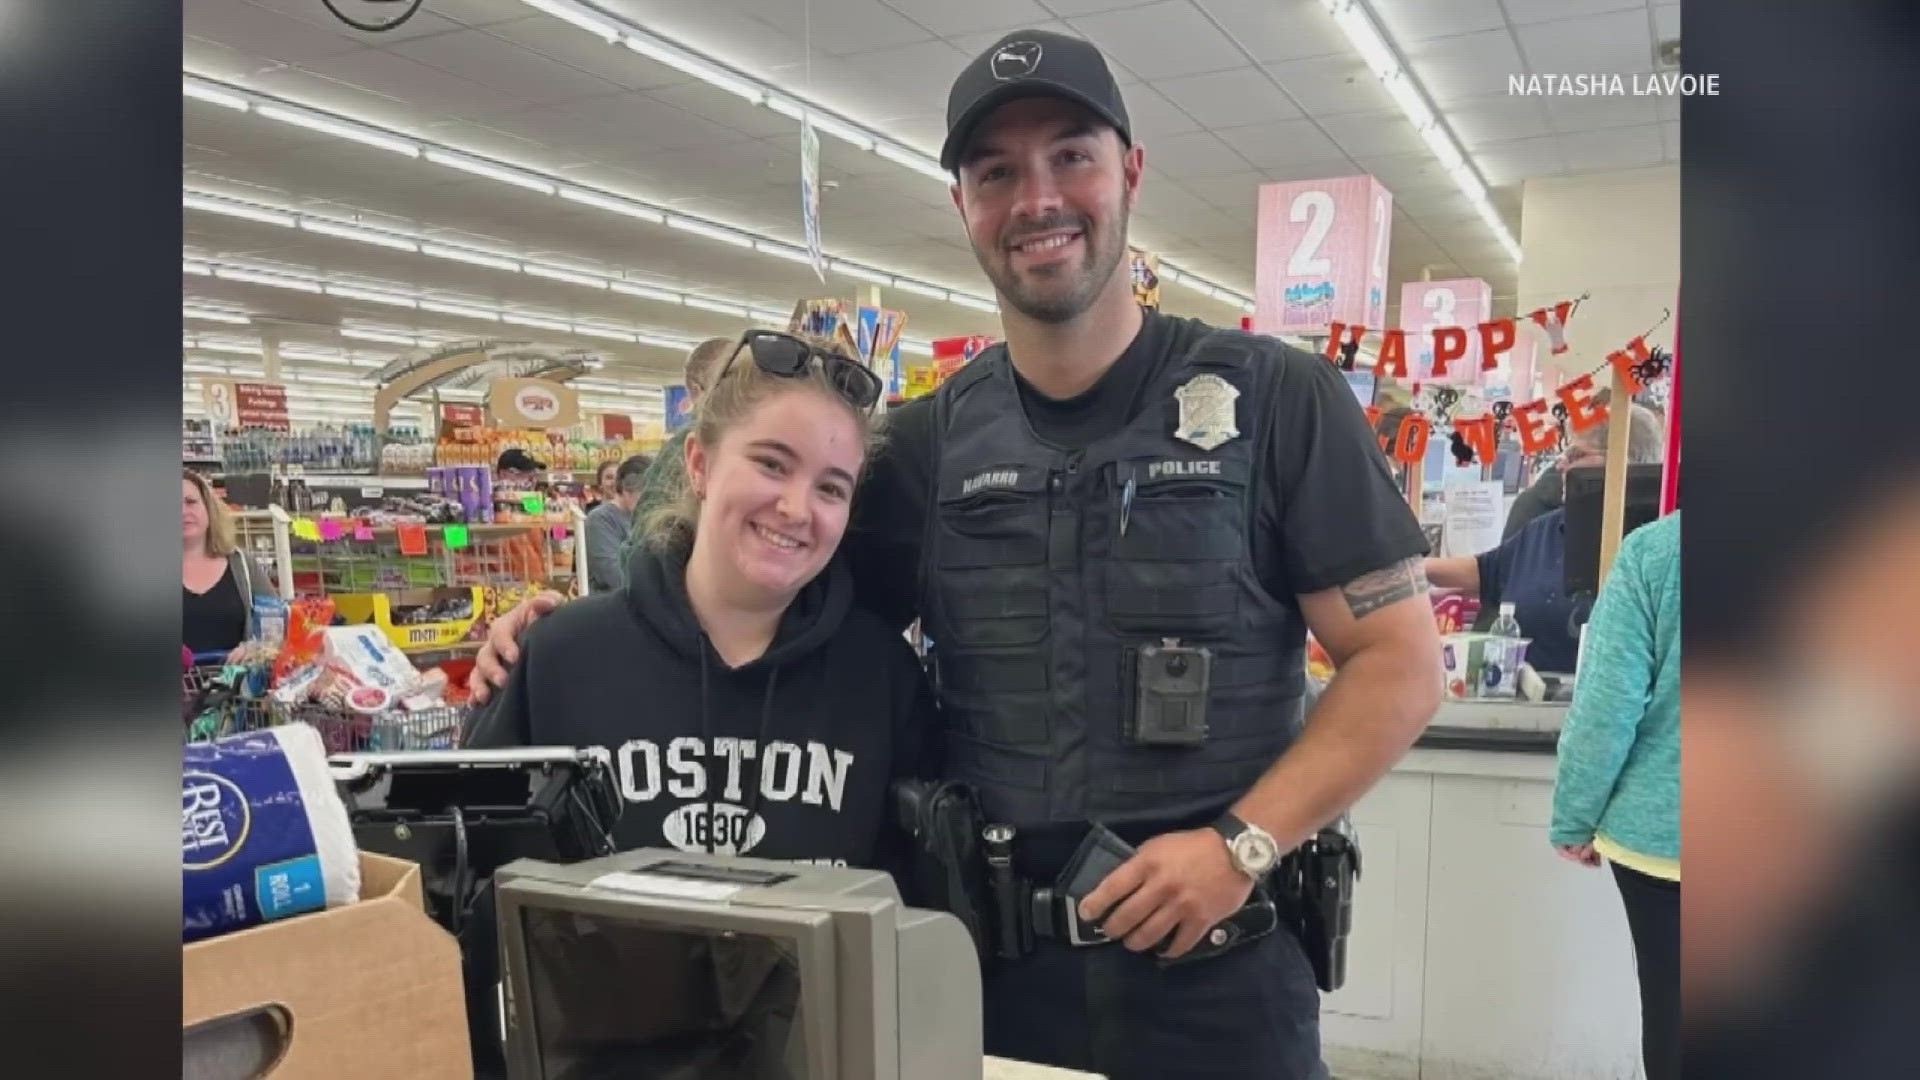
{"type": "Point", "coordinates": [1370, 592]}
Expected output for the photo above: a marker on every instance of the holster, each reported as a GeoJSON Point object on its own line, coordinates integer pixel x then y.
{"type": "Point", "coordinates": [1314, 885]}
{"type": "Point", "coordinates": [947, 871]}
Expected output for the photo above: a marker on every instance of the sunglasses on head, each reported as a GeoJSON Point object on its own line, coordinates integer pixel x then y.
{"type": "Point", "coordinates": [789, 357]}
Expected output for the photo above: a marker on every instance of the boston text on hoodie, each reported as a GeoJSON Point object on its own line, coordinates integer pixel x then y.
{"type": "Point", "coordinates": [786, 757]}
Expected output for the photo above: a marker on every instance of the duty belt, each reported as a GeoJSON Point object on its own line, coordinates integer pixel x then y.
{"type": "Point", "coordinates": [1024, 912]}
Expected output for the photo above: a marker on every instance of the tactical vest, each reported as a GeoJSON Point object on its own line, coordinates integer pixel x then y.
{"type": "Point", "coordinates": [1043, 577]}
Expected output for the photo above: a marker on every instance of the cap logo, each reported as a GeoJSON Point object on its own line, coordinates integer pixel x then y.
{"type": "Point", "coordinates": [1016, 60]}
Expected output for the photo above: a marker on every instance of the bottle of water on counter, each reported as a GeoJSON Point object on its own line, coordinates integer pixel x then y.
{"type": "Point", "coordinates": [1506, 625]}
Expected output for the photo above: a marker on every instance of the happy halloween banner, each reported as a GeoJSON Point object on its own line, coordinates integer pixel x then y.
{"type": "Point", "coordinates": [1540, 424]}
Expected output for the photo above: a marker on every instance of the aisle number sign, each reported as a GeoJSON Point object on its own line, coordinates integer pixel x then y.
{"type": "Point", "coordinates": [1425, 305]}
{"type": "Point", "coordinates": [810, 195]}
{"type": "Point", "coordinates": [245, 404]}
{"type": "Point", "coordinates": [1321, 255]}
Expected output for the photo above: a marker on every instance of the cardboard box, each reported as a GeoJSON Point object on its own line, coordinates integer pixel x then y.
{"type": "Point", "coordinates": [366, 991]}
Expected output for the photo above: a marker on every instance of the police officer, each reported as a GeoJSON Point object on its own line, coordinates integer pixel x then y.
{"type": "Point", "coordinates": [1116, 529]}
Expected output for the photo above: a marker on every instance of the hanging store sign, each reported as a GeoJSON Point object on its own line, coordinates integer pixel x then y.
{"type": "Point", "coordinates": [1428, 305]}
{"type": "Point", "coordinates": [231, 404]}
{"type": "Point", "coordinates": [532, 403]}
{"type": "Point", "coordinates": [1321, 255]}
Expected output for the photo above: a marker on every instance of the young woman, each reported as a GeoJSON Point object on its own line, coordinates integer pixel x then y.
{"type": "Point", "coordinates": [217, 580]}
{"type": "Point", "coordinates": [606, 486]}
{"type": "Point", "coordinates": [749, 706]}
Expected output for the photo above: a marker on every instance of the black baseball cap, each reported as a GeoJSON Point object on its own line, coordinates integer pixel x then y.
{"type": "Point", "coordinates": [518, 460]}
{"type": "Point", "coordinates": [1031, 63]}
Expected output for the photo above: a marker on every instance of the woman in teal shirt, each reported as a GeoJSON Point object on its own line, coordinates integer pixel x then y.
{"type": "Point", "coordinates": [1618, 791]}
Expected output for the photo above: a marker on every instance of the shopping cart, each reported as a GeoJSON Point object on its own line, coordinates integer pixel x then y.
{"type": "Point", "coordinates": [222, 699]}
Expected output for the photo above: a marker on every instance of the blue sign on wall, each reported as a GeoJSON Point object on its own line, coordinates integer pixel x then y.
{"type": "Point", "coordinates": [679, 408]}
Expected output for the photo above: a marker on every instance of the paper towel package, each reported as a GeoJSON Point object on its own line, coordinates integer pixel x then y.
{"type": "Point", "coordinates": [371, 990]}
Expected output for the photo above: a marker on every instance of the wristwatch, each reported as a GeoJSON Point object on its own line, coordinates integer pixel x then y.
{"type": "Point", "coordinates": [1252, 848]}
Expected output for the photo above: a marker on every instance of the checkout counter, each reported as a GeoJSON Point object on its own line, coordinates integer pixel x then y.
{"type": "Point", "coordinates": [1478, 953]}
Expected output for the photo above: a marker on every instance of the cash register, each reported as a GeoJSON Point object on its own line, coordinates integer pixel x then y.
{"type": "Point", "coordinates": [680, 966]}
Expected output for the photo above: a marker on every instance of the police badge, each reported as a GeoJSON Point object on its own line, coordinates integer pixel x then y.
{"type": "Point", "coordinates": [1206, 412]}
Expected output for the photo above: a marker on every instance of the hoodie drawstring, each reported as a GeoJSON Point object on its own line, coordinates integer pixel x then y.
{"type": "Point", "coordinates": [760, 754]}
{"type": "Point", "coordinates": [760, 746]}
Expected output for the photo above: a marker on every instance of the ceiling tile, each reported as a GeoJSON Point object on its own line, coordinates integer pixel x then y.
{"type": "Point", "coordinates": [1153, 116]}
{"type": "Point", "coordinates": [975, 44]}
{"type": "Point", "coordinates": [1311, 170]}
{"type": "Point", "coordinates": [1330, 85]}
{"type": "Point", "coordinates": [482, 12]}
{"type": "Point", "coordinates": [1229, 98]}
{"type": "Point", "coordinates": [1520, 12]}
{"type": "Point", "coordinates": [1198, 155]}
{"type": "Point", "coordinates": [1617, 148]}
{"type": "Point", "coordinates": [505, 66]}
{"type": "Point", "coordinates": [568, 45]}
{"type": "Point", "coordinates": [1272, 32]}
{"type": "Point", "coordinates": [1161, 41]}
{"type": "Point", "coordinates": [1511, 162]}
{"type": "Point", "coordinates": [1067, 9]}
{"type": "Point", "coordinates": [1237, 194]}
{"type": "Point", "coordinates": [1575, 115]}
{"type": "Point", "coordinates": [1498, 119]}
{"type": "Point", "coordinates": [946, 18]}
{"type": "Point", "coordinates": [1666, 22]}
{"type": "Point", "coordinates": [905, 80]}
{"type": "Point", "coordinates": [268, 35]}
{"type": "Point", "coordinates": [423, 23]}
{"type": "Point", "coordinates": [1454, 69]}
{"type": "Point", "coordinates": [1364, 134]}
{"type": "Point", "coordinates": [726, 34]}
{"type": "Point", "coordinates": [839, 28]}
{"type": "Point", "coordinates": [1398, 171]}
{"type": "Point", "coordinates": [727, 110]}
{"type": "Point", "coordinates": [415, 85]}
{"type": "Point", "coordinates": [1620, 43]}
{"type": "Point", "coordinates": [1409, 21]}
{"type": "Point", "coordinates": [1286, 142]}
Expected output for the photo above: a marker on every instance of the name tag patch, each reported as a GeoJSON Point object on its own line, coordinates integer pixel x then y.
{"type": "Point", "coordinates": [992, 478]}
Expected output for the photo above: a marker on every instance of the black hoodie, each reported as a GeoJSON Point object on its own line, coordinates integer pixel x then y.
{"type": "Point", "coordinates": [838, 699]}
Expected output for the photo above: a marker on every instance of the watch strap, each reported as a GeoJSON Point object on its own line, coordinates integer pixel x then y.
{"type": "Point", "coordinates": [1228, 826]}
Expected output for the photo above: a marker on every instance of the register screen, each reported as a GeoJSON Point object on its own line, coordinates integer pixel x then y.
{"type": "Point", "coordinates": [616, 998]}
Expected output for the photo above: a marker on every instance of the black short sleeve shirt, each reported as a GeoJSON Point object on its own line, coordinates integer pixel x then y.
{"type": "Point", "coordinates": [1326, 513]}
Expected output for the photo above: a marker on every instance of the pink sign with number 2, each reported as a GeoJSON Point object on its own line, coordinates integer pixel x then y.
{"type": "Point", "coordinates": [1322, 255]}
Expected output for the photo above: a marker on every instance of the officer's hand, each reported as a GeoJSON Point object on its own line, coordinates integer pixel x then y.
{"type": "Point", "coordinates": [1177, 886]}
{"type": "Point", "coordinates": [502, 649]}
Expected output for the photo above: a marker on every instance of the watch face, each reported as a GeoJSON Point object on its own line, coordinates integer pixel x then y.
{"type": "Point", "coordinates": [1256, 852]}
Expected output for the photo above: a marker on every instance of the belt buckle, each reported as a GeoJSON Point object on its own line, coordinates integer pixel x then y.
{"type": "Point", "coordinates": [1082, 934]}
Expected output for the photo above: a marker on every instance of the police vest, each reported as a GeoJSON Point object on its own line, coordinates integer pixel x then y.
{"type": "Point", "coordinates": [1045, 574]}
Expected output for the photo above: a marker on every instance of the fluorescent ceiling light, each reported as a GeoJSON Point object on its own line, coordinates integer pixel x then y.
{"type": "Point", "coordinates": [973, 302]}
{"type": "Point", "coordinates": [609, 333]}
{"type": "Point", "coordinates": [379, 335]}
{"type": "Point", "coordinates": [239, 210]}
{"type": "Point", "coordinates": [739, 310]}
{"type": "Point", "coordinates": [491, 171]}
{"type": "Point", "coordinates": [916, 348]}
{"type": "Point", "coordinates": [477, 258]}
{"type": "Point", "coordinates": [855, 270]}
{"type": "Point", "coordinates": [840, 129]}
{"type": "Point", "coordinates": [537, 322]}
{"type": "Point", "coordinates": [548, 184]}
{"type": "Point", "coordinates": [661, 342]}
{"type": "Point", "coordinates": [920, 288]}
{"type": "Point", "coordinates": [459, 309]}
{"type": "Point", "coordinates": [192, 266]}
{"type": "Point", "coordinates": [238, 318]}
{"type": "Point", "coordinates": [340, 129]}
{"type": "Point", "coordinates": [767, 315]}
{"type": "Point", "coordinates": [919, 163]}
{"type": "Point", "coordinates": [1357, 23]}
{"type": "Point", "coordinates": [786, 106]}
{"type": "Point", "coordinates": [372, 296]}
{"type": "Point", "coordinates": [365, 236]}
{"type": "Point", "coordinates": [280, 281]}
{"type": "Point", "coordinates": [614, 203]}
{"type": "Point", "coordinates": [579, 17]}
{"type": "Point", "coordinates": [200, 91]}
{"type": "Point", "coordinates": [783, 251]}
{"type": "Point", "coordinates": [589, 280]}
{"type": "Point", "coordinates": [240, 348]}
{"type": "Point", "coordinates": [646, 292]}
{"type": "Point", "coordinates": [712, 232]}
{"type": "Point", "coordinates": [680, 59]}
